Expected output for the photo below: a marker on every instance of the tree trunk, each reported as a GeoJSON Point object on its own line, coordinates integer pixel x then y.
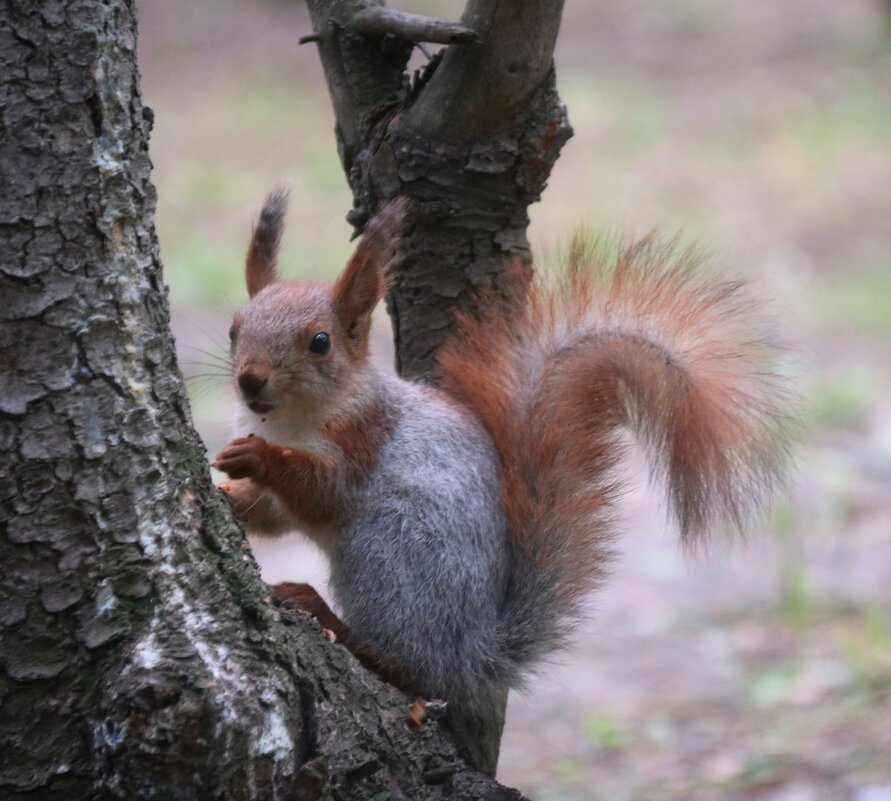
{"type": "Point", "coordinates": [140, 656]}
{"type": "Point", "coordinates": [471, 141]}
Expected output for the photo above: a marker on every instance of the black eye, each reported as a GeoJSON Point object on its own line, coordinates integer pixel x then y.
{"type": "Point", "coordinates": [320, 343]}
{"type": "Point", "coordinates": [232, 333]}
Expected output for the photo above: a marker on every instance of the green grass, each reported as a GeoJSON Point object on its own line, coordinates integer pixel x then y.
{"type": "Point", "coordinates": [604, 732]}
{"type": "Point", "coordinates": [771, 687]}
{"type": "Point", "coordinates": [843, 400]}
{"type": "Point", "coordinates": [864, 643]}
{"type": "Point", "coordinates": [859, 297]}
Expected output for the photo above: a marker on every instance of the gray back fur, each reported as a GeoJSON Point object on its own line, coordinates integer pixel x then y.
{"type": "Point", "coordinates": [420, 573]}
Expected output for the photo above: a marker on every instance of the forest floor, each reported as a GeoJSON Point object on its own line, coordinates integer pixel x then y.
{"type": "Point", "coordinates": [759, 670]}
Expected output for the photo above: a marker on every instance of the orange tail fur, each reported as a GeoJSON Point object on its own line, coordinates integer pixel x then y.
{"type": "Point", "coordinates": [647, 344]}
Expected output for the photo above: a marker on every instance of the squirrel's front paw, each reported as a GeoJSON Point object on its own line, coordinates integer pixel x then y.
{"type": "Point", "coordinates": [245, 457]}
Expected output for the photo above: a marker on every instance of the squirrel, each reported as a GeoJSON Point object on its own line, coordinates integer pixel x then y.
{"type": "Point", "coordinates": [466, 521]}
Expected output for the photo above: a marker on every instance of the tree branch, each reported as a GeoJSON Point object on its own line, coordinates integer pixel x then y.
{"type": "Point", "coordinates": [380, 20]}
{"type": "Point", "coordinates": [364, 74]}
{"type": "Point", "coordinates": [477, 90]}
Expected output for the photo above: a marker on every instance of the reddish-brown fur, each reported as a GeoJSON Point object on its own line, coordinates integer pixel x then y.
{"type": "Point", "coordinates": [361, 437]}
{"type": "Point", "coordinates": [305, 482]}
{"type": "Point", "coordinates": [647, 345]}
{"type": "Point", "coordinates": [305, 598]}
{"type": "Point", "coordinates": [363, 282]}
{"type": "Point", "coordinates": [257, 509]}
{"type": "Point", "coordinates": [309, 486]}
{"type": "Point", "coordinates": [263, 249]}
{"type": "Point", "coordinates": [554, 374]}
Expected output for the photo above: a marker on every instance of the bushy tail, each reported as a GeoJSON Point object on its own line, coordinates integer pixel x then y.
{"type": "Point", "coordinates": [648, 344]}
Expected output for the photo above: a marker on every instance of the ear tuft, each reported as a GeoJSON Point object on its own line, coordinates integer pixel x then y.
{"type": "Point", "coordinates": [262, 253]}
{"type": "Point", "coordinates": [366, 277]}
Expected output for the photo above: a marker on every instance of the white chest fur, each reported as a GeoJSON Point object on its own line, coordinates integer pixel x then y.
{"type": "Point", "coordinates": [282, 427]}
{"type": "Point", "coordinates": [290, 430]}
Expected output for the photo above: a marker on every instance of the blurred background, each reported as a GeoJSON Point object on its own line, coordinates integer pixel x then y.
{"type": "Point", "coordinates": [762, 131]}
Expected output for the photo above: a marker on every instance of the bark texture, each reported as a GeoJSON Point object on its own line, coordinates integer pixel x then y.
{"type": "Point", "coordinates": [140, 656]}
{"type": "Point", "coordinates": [471, 141]}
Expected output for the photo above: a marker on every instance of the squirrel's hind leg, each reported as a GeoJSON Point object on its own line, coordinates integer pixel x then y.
{"type": "Point", "coordinates": [305, 598]}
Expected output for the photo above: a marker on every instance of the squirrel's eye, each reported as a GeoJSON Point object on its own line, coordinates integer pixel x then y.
{"type": "Point", "coordinates": [320, 343]}
{"type": "Point", "coordinates": [232, 333]}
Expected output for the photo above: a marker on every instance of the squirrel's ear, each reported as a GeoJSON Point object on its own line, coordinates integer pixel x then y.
{"type": "Point", "coordinates": [366, 277]}
{"type": "Point", "coordinates": [262, 253]}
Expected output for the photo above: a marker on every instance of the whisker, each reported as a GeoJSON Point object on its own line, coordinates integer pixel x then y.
{"type": "Point", "coordinates": [214, 336]}
{"type": "Point", "coordinates": [222, 369]}
{"type": "Point", "coordinates": [215, 369]}
{"type": "Point", "coordinates": [215, 377]}
{"type": "Point", "coordinates": [218, 345]}
{"type": "Point", "coordinates": [216, 356]}
{"type": "Point", "coordinates": [199, 391]}
{"type": "Point", "coordinates": [206, 368]}
{"type": "Point", "coordinates": [227, 298]}
{"type": "Point", "coordinates": [256, 501]}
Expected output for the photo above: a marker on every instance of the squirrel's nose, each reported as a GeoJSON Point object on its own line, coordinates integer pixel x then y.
{"type": "Point", "coordinates": [251, 384]}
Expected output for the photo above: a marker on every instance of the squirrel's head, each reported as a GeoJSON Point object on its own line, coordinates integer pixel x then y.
{"type": "Point", "coordinates": [301, 345]}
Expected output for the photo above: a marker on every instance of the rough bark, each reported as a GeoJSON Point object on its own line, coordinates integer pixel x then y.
{"type": "Point", "coordinates": [471, 141]}
{"type": "Point", "coordinates": [140, 656]}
